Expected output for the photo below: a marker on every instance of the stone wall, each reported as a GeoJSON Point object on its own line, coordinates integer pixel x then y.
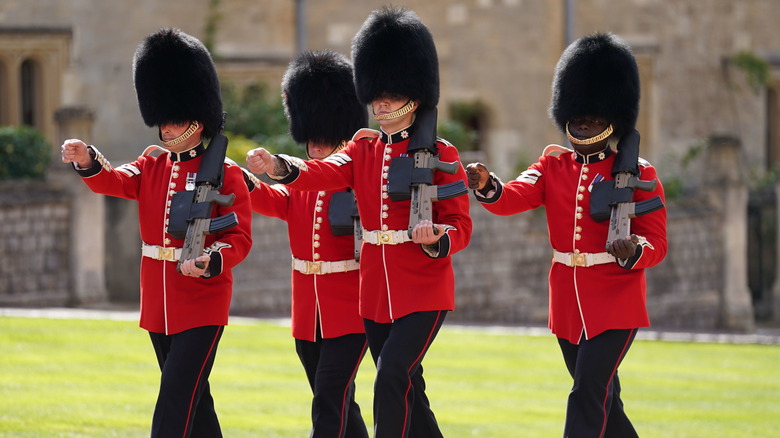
{"type": "Point", "coordinates": [35, 267]}
{"type": "Point", "coordinates": [501, 276]}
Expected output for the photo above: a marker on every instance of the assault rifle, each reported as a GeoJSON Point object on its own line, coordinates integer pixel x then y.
{"type": "Point", "coordinates": [192, 208]}
{"type": "Point", "coordinates": [614, 200]}
{"type": "Point", "coordinates": [411, 177]}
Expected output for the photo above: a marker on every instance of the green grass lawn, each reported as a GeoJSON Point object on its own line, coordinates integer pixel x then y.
{"type": "Point", "coordinates": [97, 378]}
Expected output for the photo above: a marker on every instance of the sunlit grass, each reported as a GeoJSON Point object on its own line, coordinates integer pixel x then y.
{"type": "Point", "coordinates": [98, 378]}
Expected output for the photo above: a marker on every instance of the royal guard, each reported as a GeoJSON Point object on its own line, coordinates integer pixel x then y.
{"type": "Point", "coordinates": [184, 303]}
{"type": "Point", "coordinates": [596, 283]}
{"type": "Point", "coordinates": [406, 277]}
{"type": "Point", "coordinates": [323, 113]}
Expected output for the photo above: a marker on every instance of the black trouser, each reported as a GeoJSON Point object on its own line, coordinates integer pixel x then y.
{"type": "Point", "coordinates": [595, 409]}
{"type": "Point", "coordinates": [185, 408]}
{"type": "Point", "coordinates": [401, 408]}
{"type": "Point", "coordinates": [331, 366]}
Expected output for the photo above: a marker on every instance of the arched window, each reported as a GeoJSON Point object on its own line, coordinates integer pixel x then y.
{"type": "Point", "coordinates": [30, 92]}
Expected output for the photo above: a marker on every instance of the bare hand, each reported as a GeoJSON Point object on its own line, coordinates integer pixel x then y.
{"type": "Point", "coordinates": [260, 161]}
{"type": "Point", "coordinates": [478, 175]}
{"type": "Point", "coordinates": [75, 151]}
{"type": "Point", "coordinates": [423, 232]}
{"type": "Point", "coordinates": [189, 268]}
{"type": "Point", "coordinates": [623, 248]}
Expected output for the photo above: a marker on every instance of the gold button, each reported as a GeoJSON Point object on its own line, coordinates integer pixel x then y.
{"type": "Point", "coordinates": [167, 241]}
{"type": "Point", "coordinates": [584, 177]}
{"type": "Point", "coordinates": [578, 215]}
{"type": "Point", "coordinates": [175, 167]}
{"type": "Point", "coordinates": [318, 209]}
{"type": "Point", "coordinates": [173, 185]}
{"type": "Point", "coordinates": [385, 207]}
{"type": "Point", "coordinates": [581, 188]}
{"type": "Point", "coordinates": [384, 175]}
{"type": "Point", "coordinates": [320, 202]}
{"type": "Point", "coordinates": [171, 193]}
{"type": "Point", "coordinates": [579, 209]}
{"type": "Point", "coordinates": [384, 228]}
{"type": "Point", "coordinates": [580, 197]}
{"type": "Point", "coordinates": [578, 229]}
{"type": "Point", "coordinates": [316, 256]}
{"type": "Point", "coordinates": [316, 237]}
{"type": "Point", "coordinates": [585, 169]}
{"type": "Point", "coordinates": [319, 220]}
{"type": "Point", "coordinates": [316, 244]}
{"type": "Point", "coordinates": [317, 226]}
{"type": "Point", "coordinates": [322, 193]}
{"type": "Point", "coordinates": [385, 195]}
{"type": "Point", "coordinates": [388, 150]}
{"type": "Point", "coordinates": [384, 215]}
{"type": "Point", "coordinates": [385, 168]}
{"type": "Point", "coordinates": [175, 175]}
{"type": "Point", "coordinates": [577, 237]}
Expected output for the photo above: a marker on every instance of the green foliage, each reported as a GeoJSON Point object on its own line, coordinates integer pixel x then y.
{"type": "Point", "coordinates": [95, 378]}
{"type": "Point", "coordinates": [458, 134]}
{"type": "Point", "coordinates": [467, 120]}
{"type": "Point", "coordinates": [757, 69]}
{"type": "Point", "coordinates": [24, 153]}
{"type": "Point", "coordinates": [253, 115]}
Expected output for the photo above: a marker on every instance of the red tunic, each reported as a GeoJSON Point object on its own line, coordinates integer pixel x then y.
{"type": "Point", "coordinates": [171, 302]}
{"type": "Point", "coordinates": [395, 280]}
{"type": "Point", "coordinates": [591, 299]}
{"type": "Point", "coordinates": [331, 299]}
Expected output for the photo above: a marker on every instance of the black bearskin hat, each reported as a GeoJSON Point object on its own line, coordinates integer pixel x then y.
{"type": "Point", "coordinates": [176, 82]}
{"type": "Point", "coordinates": [597, 76]}
{"type": "Point", "coordinates": [320, 100]}
{"type": "Point", "coordinates": [394, 54]}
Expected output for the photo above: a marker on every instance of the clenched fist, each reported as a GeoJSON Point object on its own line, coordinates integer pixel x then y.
{"type": "Point", "coordinates": [478, 175]}
{"type": "Point", "coordinates": [75, 151]}
{"type": "Point", "coordinates": [260, 160]}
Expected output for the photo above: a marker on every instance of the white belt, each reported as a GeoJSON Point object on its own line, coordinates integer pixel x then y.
{"type": "Point", "coordinates": [307, 267]}
{"type": "Point", "coordinates": [161, 253]}
{"type": "Point", "coordinates": [392, 237]}
{"type": "Point", "coordinates": [583, 259]}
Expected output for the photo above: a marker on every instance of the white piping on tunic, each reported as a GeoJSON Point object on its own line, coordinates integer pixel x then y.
{"type": "Point", "coordinates": [573, 245]}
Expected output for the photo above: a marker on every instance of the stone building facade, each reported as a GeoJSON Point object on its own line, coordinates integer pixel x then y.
{"type": "Point", "coordinates": [65, 66]}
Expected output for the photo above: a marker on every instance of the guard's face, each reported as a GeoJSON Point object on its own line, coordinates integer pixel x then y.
{"type": "Point", "coordinates": [319, 151]}
{"type": "Point", "coordinates": [386, 105]}
{"type": "Point", "coordinates": [171, 131]}
{"type": "Point", "coordinates": [586, 127]}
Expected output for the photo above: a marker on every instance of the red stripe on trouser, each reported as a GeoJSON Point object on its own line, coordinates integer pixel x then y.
{"type": "Point", "coordinates": [417, 361]}
{"type": "Point", "coordinates": [197, 381]}
{"type": "Point", "coordinates": [344, 400]}
{"type": "Point", "coordinates": [609, 382]}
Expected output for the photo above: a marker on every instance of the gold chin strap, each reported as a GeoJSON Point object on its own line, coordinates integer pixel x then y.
{"type": "Point", "coordinates": [406, 109]}
{"type": "Point", "coordinates": [187, 134]}
{"type": "Point", "coordinates": [589, 141]}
